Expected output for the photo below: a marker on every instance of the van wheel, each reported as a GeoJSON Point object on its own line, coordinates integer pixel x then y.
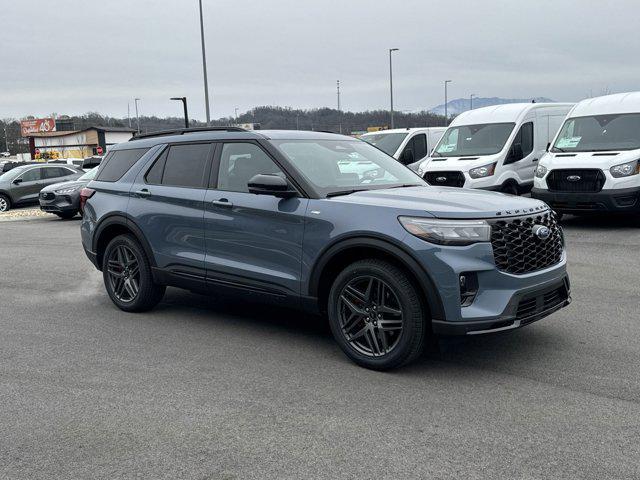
{"type": "Point", "coordinates": [5, 203]}
{"type": "Point", "coordinates": [376, 315]}
{"type": "Point", "coordinates": [510, 188]}
{"type": "Point", "coordinates": [127, 276]}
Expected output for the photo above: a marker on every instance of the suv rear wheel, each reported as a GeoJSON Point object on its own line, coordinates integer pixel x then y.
{"type": "Point", "coordinates": [376, 315]}
{"type": "Point", "coordinates": [127, 276]}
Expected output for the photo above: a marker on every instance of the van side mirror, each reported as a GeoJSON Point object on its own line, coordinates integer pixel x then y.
{"type": "Point", "coordinates": [271, 185]}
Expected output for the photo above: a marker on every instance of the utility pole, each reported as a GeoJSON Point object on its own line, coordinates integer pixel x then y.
{"type": "Point", "coordinates": [446, 115]}
{"type": "Point", "coordinates": [137, 116]}
{"type": "Point", "coordinates": [129, 113]}
{"type": "Point", "coordinates": [236, 110]}
{"type": "Point", "coordinates": [339, 112]}
{"type": "Point", "coordinates": [6, 138]}
{"type": "Point", "coordinates": [391, 50]}
{"type": "Point", "coordinates": [184, 106]}
{"type": "Point", "coordinates": [204, 67]}
{"type": "Point", "coordinates": [297, 121]}
{"type": "Point", "coordinates": [471, 101]}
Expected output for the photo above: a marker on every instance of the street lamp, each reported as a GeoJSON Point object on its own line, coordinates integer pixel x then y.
{"type": "Point", "coordinates": [204, 67]}
{"type": "Point", "coordinates": [184, 105]}
{"type": "Point", "coordinates": [471, 101]}
{"type": "Point", "coordinates": [446, 116]}
{"type": "Point", "coordinates": [137, 116]}
{"type": "Point", "coordinates": [391, 50]}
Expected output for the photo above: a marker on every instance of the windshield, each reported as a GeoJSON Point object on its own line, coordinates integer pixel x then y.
{"type": "Point", "coordinates": [13, 173]}
{"type": "Point", "coordinates": [473, 140]}
{"type": "Point", "coordinates": [598, 133]}
{"type": "Point", "coordinates": [90, 175]}
{"type": "Point", "coordinates": [387, 142]}
{"type": "Point", "coordinates": [340, 165]}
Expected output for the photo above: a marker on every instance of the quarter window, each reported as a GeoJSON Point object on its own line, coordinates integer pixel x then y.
{"type": "Point", "coordinates": [118, 163]}
{"type": "Point", "coordinates": [240, 162]}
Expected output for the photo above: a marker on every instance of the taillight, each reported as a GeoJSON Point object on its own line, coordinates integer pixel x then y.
{"type": "Point", "coordinates": [85, 194]}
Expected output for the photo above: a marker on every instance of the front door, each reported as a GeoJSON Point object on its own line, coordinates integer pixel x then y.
{"type": "Point", "coordinates": [26, 187]}
{"type": "Point", "coordinates": [252, 241]}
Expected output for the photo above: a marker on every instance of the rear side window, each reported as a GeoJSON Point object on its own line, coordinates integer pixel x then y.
{"type": "Point", "coordinates": [55, 172]}
{"type": "Point", "coordinates": [118, 164]}
{"type": "Point", "coordinates": [181, 166]}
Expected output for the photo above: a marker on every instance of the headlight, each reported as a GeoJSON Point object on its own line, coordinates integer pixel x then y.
{"type": "Point", "coordinates": [447, 232]}
{"type": "Point", "coordinates": [484, 171]}
{"type": "Point", "coordinates": [626, 169]}
{"type": "Point", "coordinates": [541, 171]}
{"type": "Point", "coordinates": [63, 191]}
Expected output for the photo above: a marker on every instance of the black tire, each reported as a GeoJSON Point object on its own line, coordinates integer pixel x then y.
{"type": "Point", "coordinates": [5, 203]}
{"type": "Point", "coordinates": [148, 294]}
{"type": "Point", "coordinates": [510, 188]}
{"type": "Point", "coordinates": [66, 215]}
{"type": "Point", "coordinates": [403, 348]}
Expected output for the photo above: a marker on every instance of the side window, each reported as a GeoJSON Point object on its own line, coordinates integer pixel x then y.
{"type": "Point", "coordinates": [240, 162]}
{"type": "Point", "coordinates": [32, 175]}
{"type": "Point", "coordinates": [56, 172]}
{"type": "Point", "coordinates": [119, 163]}
{"type": "Point", "coordinates": [522, 144]}
{"type": "Point", "coordinates": [185, 165]}
{"type": "Point", "coordinates": [419, 146]}
{"type": "Point", "coordinates": [154, 174]}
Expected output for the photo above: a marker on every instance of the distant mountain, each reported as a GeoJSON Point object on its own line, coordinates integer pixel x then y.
{"type": "Point", "coordinates": [459, 105]}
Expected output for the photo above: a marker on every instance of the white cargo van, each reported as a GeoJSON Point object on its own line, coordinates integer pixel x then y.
{"type": "Point", "coordinates": [494, 148]}
{"type": "Point", "coordinates": [407, 145]}
{"type": "Point", "coordinates": [594, 162]}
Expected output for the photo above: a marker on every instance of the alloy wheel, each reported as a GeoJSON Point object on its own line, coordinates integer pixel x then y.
{"type": "Point", "coordinates": [3, 205]}
{"type": "Point", "coordinates": [370, 316]}
{"type": "Point", "coordinates": [124, 273]}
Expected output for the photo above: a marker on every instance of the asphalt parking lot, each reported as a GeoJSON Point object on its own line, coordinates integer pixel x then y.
{"type": "Point", "coordinates": [206, 389]}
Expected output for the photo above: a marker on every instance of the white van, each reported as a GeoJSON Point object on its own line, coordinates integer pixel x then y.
{"type": "Point", "coordinates": [494, 148]}
{"type": "Point", "coordinates": [594, 162]}
{"type": "Point", "coordinates": [407, 145]}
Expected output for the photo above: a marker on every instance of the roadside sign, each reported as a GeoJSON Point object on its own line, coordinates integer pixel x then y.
{"type": "Point", "coordinates": [38, 125]}
{"type": "Point", "coordinates": [99, 150]}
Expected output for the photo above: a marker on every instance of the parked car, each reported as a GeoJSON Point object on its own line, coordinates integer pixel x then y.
{"type": "Point", "coordinates": [63, 199]}
{"type": "Point", "coordinates": [5, 154]}
{"type": "Point", "coordinates": [273, 214]}
{"type": "Point", "coordinates": [91, 162]}
{"type": "Point", "coordinates": [594, 163]}
{"type": "Point", "coordinates": [494, 148]}
{"type": "Point", "coordinates": [22, 185]}
{"type": "Point", "coordinates": [408, 145]}
{"type": "Point", "coordinates": [76, 162]}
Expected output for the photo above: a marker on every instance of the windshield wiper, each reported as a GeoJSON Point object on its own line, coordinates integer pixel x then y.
{"type": "Point", "coordinates": [345, 192]}
{"type": "Point", "coordinates": [407, 185]}
{"type": "Point", "coordinates": [558, 149]}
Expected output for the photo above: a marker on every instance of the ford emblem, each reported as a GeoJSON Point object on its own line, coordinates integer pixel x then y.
{"type": "Point", "coordinates": [574, 178]}
{"type": "Point", "coordinates": [441, 179]}
{"type": "Point", "coordinates": [541, 232]}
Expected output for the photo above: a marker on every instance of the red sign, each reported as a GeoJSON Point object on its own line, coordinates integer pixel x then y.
{"type": "Point", "coordinates": [39, 125]}
{"type": "Point", "coordinates": [37, 151]}
{"type": "Point", "coordinates": [99, 150]}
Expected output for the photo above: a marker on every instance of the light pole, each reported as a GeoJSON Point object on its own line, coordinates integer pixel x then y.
{"type": "Point", "coordinates": [446, 115]}
{"type": "Point", "coordinates": [391, 50]}
{"type": "Point", "coordinates": [184, 105]}
{"type": "Point", "coordinates": [204, 67]}
{"type": "Point", "coordinates": [137, 116]}
{"type": "Point", "coordinates": [339, 116]}
{"type": "Point", "coordinates": [236, 110]}
{"type": "Point", "coordinates": [6, 138]}
{"type": "Point", "coordinates": [471, 101]}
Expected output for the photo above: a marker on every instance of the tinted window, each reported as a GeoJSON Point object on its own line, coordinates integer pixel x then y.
{"type": "Point", "coordinates": [154, 175]}
{"type": "Point", "coordinates": [420, 146]}
{"type": "Point", "coordinates": [119, 163]}
{"type": "Point", "coordinates": [55, 172]}
{"type": "Point", "coordinates": [32, 175]}
{"type": "Point", "coordinates": [527, 138]}
{"type": "Point", "coordinates": [185, 165]}
{"type": "Point", "coordinates": [240, 162]}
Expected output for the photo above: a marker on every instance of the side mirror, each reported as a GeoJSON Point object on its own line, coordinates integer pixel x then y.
{"type": "Point", "coordinates": [408, 157]}
{"type": "Point", "coordinates": [548, 146]}
{"type": "Point", "coordinates": [271, 185]}
{"type": "Point", "coordinates": [17, 181]}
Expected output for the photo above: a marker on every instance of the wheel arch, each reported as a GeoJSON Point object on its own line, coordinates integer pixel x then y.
{"type": "Point", "coordinates": [346, 251]}
{"type": "Point", "coordinates": [112, 226]}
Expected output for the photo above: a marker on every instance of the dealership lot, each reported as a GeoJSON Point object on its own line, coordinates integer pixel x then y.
{"type": "Point", "coordinates": [204, 388]}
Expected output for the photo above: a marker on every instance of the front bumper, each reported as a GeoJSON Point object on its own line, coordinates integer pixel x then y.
{"type": "Point", "coordinates": [59, 203]}
{"type": "Point", "coordinates": [612, 200]}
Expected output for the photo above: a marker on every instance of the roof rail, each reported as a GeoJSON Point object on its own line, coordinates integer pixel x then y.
{"type": "Point", "coordinates": [182, 131]}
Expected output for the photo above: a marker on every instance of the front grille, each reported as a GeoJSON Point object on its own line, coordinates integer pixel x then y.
{"type": "Point", "coordinates": [518, 250]}
{"type": "Point", "coordinates": [47, 195]}
{"type": "Point", "coordinates": [445, 179]}
{"type": "Point", "coordinates": [576, 180]}
{"type": "Point", "coordinates": [531, 307]}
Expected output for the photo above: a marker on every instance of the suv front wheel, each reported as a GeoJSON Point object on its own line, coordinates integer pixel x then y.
{"type": "Point", "coordinates": [376, 315]}
{"type": "Point", "coordinates": [127, 276]}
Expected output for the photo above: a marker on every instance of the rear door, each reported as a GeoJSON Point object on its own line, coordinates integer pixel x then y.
{"type": "Point", "coordinates": [252, 241]}
{"type": "Point", "coordinates": [166, 203]}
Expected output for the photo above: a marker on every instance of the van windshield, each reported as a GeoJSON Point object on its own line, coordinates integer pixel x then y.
{"type": "Point", "coordinates": [599, 133]}
{"type": "Point", "coordinates": [387, 142]}
{"type": "Point", "coordinates": [476, 140]}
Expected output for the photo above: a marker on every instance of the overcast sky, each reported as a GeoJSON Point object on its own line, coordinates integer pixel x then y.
{"type": "Point", "coordinates": [75, 56]}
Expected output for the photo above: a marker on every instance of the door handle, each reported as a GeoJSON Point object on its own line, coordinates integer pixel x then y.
{"type": "Point", "coordinates": [223, 202]}
{"type": "Point", "coordinates": [534, 160]}
{"type": "Point", "coordinates": [142, 193]}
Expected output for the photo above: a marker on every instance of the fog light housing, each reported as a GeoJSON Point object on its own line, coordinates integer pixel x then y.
{"type": "Point", "coordinates": [468, 288]}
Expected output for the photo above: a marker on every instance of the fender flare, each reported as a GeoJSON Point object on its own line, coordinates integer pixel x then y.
{"type": "Point", "coordinates": [122, 220]}
{"type": "Point", "coordinates": [386, 246]}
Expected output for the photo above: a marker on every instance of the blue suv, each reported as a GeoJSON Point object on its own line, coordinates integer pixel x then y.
{"type": "Point", "coordinates": [326, 223]}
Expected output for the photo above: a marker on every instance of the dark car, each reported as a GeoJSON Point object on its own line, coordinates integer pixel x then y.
{"type": "Point", "coordinates": [63, 199]}
{"type": "Point", "coordinates": [298, 218]}
{"type": "Point", "coordinates": [22, 185]}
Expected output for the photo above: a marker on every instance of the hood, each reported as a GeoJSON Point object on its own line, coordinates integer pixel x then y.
{"type": "Point", "coordinates": [61, 185]}
{"type": "Point", "coordinates": [446, 202]}
{"type": "Point", "coordinates": [458, 164]}
{"type": "Point", "coordinates": [602, 160]}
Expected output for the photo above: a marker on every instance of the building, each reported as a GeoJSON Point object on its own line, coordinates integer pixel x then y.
{"type": "Point", "coordinates": [77, 143]}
